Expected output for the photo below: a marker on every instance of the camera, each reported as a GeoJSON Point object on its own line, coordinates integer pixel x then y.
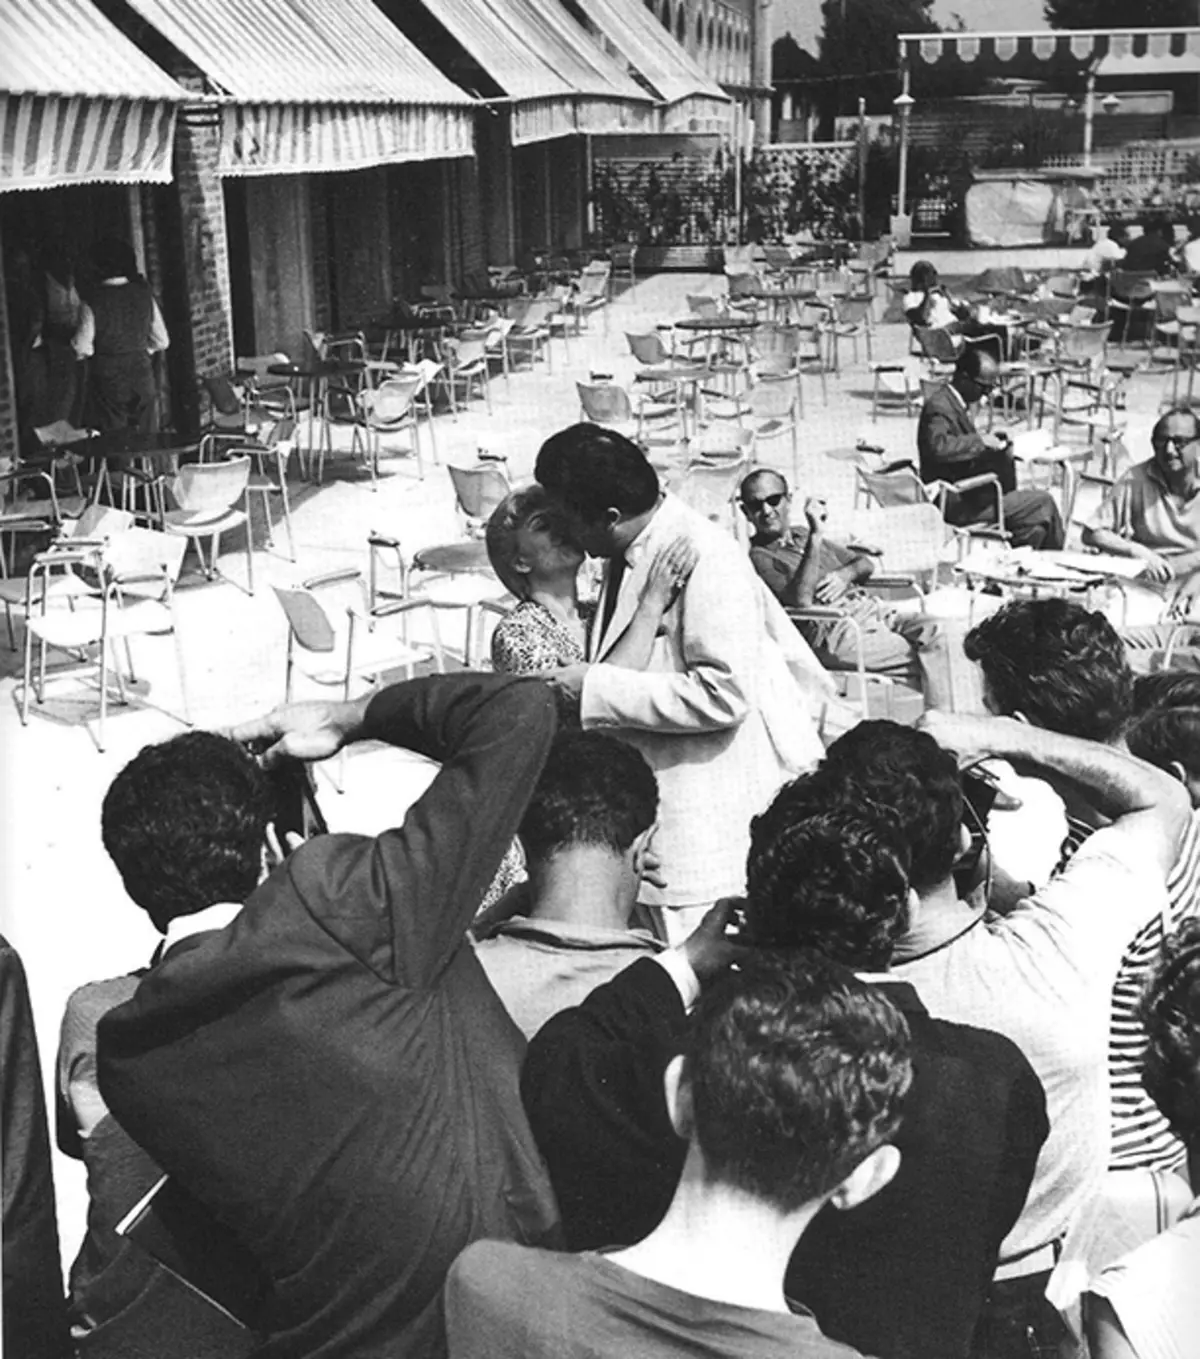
{"type": "Point", "coordinates": [293, 795]}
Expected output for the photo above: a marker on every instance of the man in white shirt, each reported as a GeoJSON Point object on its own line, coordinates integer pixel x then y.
{"type": "Point", "coordinates": [1105, 252]}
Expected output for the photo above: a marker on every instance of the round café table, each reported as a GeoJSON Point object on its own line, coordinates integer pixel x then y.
{"type": "Point", "coordinates": [719, 331]}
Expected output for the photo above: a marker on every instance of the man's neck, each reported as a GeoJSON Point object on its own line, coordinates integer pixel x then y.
{"type": "Point", "coordinates": [584, 885]}
{"type": "Point", "coordinates": [941, 916]}
{"type": "Point", "coordinates": [718, 1243]}
{"type": "Point", "coordinates": [630, 530]}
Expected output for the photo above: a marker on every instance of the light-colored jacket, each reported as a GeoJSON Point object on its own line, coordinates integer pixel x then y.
{"type": "Point", "coordinates": [726, 711]}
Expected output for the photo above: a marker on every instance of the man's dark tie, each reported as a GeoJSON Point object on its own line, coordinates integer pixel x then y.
{"type": "Point", "coordinates": [616, 574]}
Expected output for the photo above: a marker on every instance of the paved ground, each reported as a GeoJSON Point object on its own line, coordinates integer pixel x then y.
{"type": "Point", "coordinates": [61, 903]}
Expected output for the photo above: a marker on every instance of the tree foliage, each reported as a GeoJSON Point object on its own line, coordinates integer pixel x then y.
{"type": "Point", "coordinates": [858, 46]}
{"type": "Point", "coordinates": [1120, 13]}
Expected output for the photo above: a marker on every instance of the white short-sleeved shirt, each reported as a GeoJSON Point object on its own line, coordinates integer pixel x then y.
{"type": "Point", "coordinates": [1141, 507]}
{"type": "Point", "coordinates": [1155, 1291]}
{"type": "Point", "coordinates": [1043, 976]}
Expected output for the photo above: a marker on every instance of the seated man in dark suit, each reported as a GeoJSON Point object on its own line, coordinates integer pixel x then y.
{"type": "Point", "coordinates": [951, 449]}
{"type": "Point", "coordinates": [787, 1097]}
{"type": "Point", "coordinates": [903, 1275]}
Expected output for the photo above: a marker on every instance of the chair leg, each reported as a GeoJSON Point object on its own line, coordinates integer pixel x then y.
{"type": "Point", "coordinates": [177, 642]}
{"type": "Point", "coordinates": [28, 677]}
{"type": "Point", "coordinates": [250, 551]}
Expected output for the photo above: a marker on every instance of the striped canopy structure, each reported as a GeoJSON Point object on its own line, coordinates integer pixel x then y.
{"type": "Point", "coordinates": [79, 103]}
{"type": "Point", "coordinates": [315, 85]}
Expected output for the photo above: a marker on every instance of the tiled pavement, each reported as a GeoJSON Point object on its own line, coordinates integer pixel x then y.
{"type": "Point", "coordinates": [61, 903]}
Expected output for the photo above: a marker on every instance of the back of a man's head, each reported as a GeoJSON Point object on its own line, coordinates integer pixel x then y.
{"type": "Point", "coordinates": [1057, 664]}
{"type": "Point", "coordinates": [593, 469]}
{"type": "Point", "coordinates": [892, 771]}
{"type": "Point", "coordinates": [1165, 727]}
{"type": "Point", "coordinates": [827, 876]}
{"type": "Point", "coordinates": [594, 790]}
{"type": "Point", "coordinates": [797, 1072]}
{"type": "Point", "coordinates": [184, 823]}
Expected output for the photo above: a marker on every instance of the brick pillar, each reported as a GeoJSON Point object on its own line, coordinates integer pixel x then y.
{"type": "Point", "coordinates": [8, 391]}
{"type": "Point", "coordinates": [205, 248]}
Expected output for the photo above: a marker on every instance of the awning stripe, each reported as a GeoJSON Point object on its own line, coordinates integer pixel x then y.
{"type": "Point", "coordinates": [46, 141]}
{"type": "Point", "coordinates": [267, 139]}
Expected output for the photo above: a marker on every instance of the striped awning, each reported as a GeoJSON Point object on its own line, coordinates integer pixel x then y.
{"type": "Point", "coordinates": [692, 102]}
{"type": "Point", "coordinates": [79, 103]}
{"type": "Point", "coordinates": [1085, 46]}
{"type": "Point", "coordinates": [316, 85]}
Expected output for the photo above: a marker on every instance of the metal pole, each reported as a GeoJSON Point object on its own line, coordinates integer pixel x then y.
{"type": "Point", "coordinates": [862, 168]}
{"type": "Point", "coordinates": [906, 98]}
{"type": "Point", "coordinates": [1089, 113]}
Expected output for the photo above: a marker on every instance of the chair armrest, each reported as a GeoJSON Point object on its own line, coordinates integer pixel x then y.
{"type": "Point", "coordinates": [893, 584]}
{"type": "Point", "coordinates": [332, 578]}
{"type": "Point", "coordinates": [383, 540]}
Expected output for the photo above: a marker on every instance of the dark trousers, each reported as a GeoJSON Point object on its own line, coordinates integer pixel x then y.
{"type": "Point", "coordinates": [1017, 1322]}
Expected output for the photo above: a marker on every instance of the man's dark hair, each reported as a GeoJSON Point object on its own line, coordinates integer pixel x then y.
{"type": "Point", "coordinates": [114, 258]}
{"type": "Point", "coordinates": [797, 1072]}
{"type": "Point", "coordinates": [1166, 735]}
{"type": "Point", "coordinates": [1061, 665]}
{"type": "Point", "coordinates": [972, 361]}
{"type": "Point", "coordinates": [1171, 1017]}
{"type": "Point", "coordinates": [593, 469]}
{"type": "Point", "coordinates": [824, 875]}
{"type": "Point", "coordinates": [184, 823]}
{"type": "Point", "coordinates": [1166, 689]}
{"type": "Point", "coordinates": [594, 790]}
{"type": "Point", "coordinates": [893, 772]}
{"type": "Point", "coordinates": [1175, 412]}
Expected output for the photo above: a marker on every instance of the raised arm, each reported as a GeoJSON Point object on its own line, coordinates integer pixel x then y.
{"type": "Point", "coordinates": [1146, 805]}
{"type": "Point", "coordinates": [416, 888]}
{"type": "Point", "coordinates": [668, 575]}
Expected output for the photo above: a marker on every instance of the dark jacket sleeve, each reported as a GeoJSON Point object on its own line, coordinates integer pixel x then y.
{"type": "Point", "coordinates": [946, 435]}
{"type": "Point", "coordinates": [592, 1085]}
{"type": "Point", "coordinates": [35, 1319]}
{"type": "Point", "coordinates": [1027, 1128]}
{"type": "Point", "coordinates": [403, 901]}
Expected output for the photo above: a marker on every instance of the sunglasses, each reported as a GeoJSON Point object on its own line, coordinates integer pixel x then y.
{"type": "Point", "coordinates": [774, 501]}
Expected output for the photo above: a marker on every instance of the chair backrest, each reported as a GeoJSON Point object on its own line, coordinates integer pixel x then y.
{"type": "Point", "coordinates": [648, 348]}
{"type": "Point", "coordinates": [896, 486]}
{"type": "Point", "coordinates": [592, 283]}
{"type": "Point", "coordinates": [771, 400]}
{"type": "Point", "coordinates": [1169, 299]}
{"type": "Point", "coordinates": [256, 365]}
{"type": "Point", "coordinates": [391, 400]}
{"type": "Point", "coordinates": [139, 551]}
{"type": "Point", "coordinates": [604, 403]}
{"type": "Point", "coordinates": [723, 440]}
{"type": "Point", "coordinates": [776, 256]}
{"type": "Point", "coordinates": [1131, 285]}
{"type": "Point", "coordinates": [478, 490]}
{"type": "Point", "coordinates": [1063, 285]}
{"type": "Point", "coordinates": [911, 537]}
{"type": "Point", "coordinates": [464, 353]}
{"type": "Point", "coordinates": [623, 256]}
{"type": "Point", "coordinates": [314, 346]}
{"type": "Point", "coordinates": [307, 619]}
{"type": "Point", "coordinates": [742, 285]}
{"type": "Point", "coordinates": [711, 489]}
{"type": "Point", "coordinates": [100, 521]}
{"type": "Point", "coordinates": [776, 340]}
{"type": "Point", "coordinates": [214, 486]}
{"type": "Point", "coordinates": [853, 311]}
{"type": "Point", "coordinates": [534, 313]}
{"type": "Point", "coordinates": [701, 304]}
{"type": "Point", "coordinates": [1084, 343]}
{"type": "Point", "coordinates": [224, 396]}
{"type": "Point", "coordinates": [936, 343]}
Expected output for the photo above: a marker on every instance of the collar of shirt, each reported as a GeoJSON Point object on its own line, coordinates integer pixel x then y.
{"type": "Point", "coordinates": [957, 395]}
{"type": "Point", "coordinates": [202, 922]}
{"type": "Point", "coordinates": [648, 539]}
{"type": "Point", "coordinates": [115, 281]}
{"type": "Point", "coordinates": [571, 934]}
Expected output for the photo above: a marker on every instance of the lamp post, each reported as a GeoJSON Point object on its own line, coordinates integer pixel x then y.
{"type": "Point", "coordinates": [903, 103]}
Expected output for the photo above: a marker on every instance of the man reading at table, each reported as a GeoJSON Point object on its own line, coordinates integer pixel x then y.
{"type": "Point", "coordinates": [1152, 512]}
{"type": "Point", "coordinates": [951, 449]}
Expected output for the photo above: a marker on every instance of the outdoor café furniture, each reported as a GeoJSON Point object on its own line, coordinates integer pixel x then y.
{"type": "Point", "coordinates": [315, 377]}
{"type": "Point", "coordinates": [720, 333]}
{"type": "Point", "coordinates": [1032, 573]}
{"type": "Point", "coordinates": [128, 463]}
{"type": "Point", "coordinates": [210, 499]}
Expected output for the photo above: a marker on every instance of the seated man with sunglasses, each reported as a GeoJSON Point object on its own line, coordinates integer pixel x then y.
{"type": "Point", "coordinates": [802, 566]}
{"type": "Point", "coordinates": [1152, 512]}
{"type": "Point", "coordinates": [951, 449]}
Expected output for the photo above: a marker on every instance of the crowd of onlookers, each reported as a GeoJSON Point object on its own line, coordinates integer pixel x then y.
{"type": "Point", "coordinates": [768, 1053]}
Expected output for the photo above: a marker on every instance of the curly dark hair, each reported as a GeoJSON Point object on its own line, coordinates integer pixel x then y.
{"type": "Point", "coordinates": [892, 771]}
{"type": "Point", "coordinates": [824, 875]}
{"type": "Point", "coordinates": [593, 469]}
{"type": "Point", "coordinates": [797, 1072]}
{"type": "Point", "coordinates": [1061, 665]}
{"type": "Point", "coordinates": [594, 790]}
{"type": "Point", "coordinates": [1166, 689]}
{"type": "Point", "coordinates": [1167, 736]}
{"type": "Point", "coordinates": [1171, 1016]}
{"type": "Point", "coordinates": [184, 823]}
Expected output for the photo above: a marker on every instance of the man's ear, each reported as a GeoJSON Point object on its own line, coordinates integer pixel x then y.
{"type": "Point", "coordinates": [1019, 716]}
{"type": "Point", "coordinates": [1177, 771]}
{"type": "Point", "coordinates": [639, 847]}
{"type": "Point", "coordinates": [868, 1177]}
{"type": "Point", "coordinates": [679, 1098]}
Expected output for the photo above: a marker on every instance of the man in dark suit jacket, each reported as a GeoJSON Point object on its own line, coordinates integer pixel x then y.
{"type": "Point", "coordinates": [326, 1068]}
{"type": "Point", "coordinates": [901, 1277]}
{"type": "Point", "coordinates": [951, 449]}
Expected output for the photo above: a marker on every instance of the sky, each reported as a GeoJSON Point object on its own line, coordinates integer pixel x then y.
{"type": "Point", "coordinates": [802, 18]}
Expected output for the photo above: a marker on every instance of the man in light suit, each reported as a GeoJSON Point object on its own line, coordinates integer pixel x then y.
{"type": "Point", "coordinates": [952, 449]}
{"type": "Point", "coordinates": [727, 709]}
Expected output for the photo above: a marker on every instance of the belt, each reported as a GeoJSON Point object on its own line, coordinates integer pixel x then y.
{"type": "Point", "coordinates": [1039, 1260]}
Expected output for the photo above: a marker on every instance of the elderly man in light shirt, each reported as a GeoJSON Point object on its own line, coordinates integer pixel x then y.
{"type": "Point", "coordinates": [1152, 513]}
